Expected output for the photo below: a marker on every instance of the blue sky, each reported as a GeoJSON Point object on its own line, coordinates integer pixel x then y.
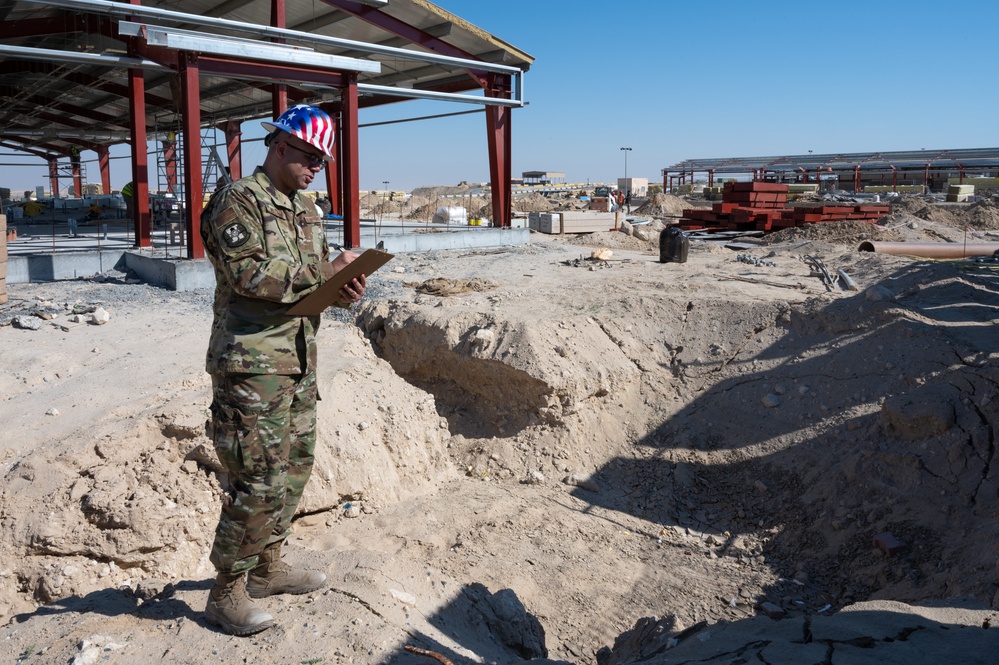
{"type": "Point", "coordinates": [679, 80]}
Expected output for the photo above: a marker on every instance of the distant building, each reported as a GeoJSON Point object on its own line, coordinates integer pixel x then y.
{"type": "Point", "coordinates": [637, 186]}
{"type": "Point", "coordinates": [543, 177]}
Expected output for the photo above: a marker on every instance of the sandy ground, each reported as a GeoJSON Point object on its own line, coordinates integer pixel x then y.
{"type": "Point", "coordinates": [529, 454]}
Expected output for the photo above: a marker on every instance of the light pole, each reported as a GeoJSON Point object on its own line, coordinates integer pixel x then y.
{"type": "Point", "coordinates": [383, 206]}
{"type": "Point", "coordinates": [626, 151]}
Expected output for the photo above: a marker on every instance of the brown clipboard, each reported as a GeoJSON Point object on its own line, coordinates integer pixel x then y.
{"type": "Point", "coordinates": [369, 261]}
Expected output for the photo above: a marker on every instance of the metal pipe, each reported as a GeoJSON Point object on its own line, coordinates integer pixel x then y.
{"type": "Point", "coordinates": [125, 9]}
{"type": "Point", "coordinates": [931, 250]}
{"type": "Point", "coordinates": [413, 93]}
{"type": "Point", "coordinates": [848, 282]}
{"type": "Point", "coordinates": [55, 55]}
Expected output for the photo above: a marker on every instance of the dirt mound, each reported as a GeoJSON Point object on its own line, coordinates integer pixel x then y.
{"type": "Point", "coordinates": [847, 232]}
{"type": "Point", "coordinates": [663, 205]}
{"type": "Point", "coordinates": [370, 200]}
{"type": "Point", "coordinates": [571, 204]}
{"type": "Point", "coordinates": [910, 204]}
{"type": "Point", "coordinates": [438, 191]}
{"type": "Point", "coordinates": [532, 203]}
{"type": "Point", "coordinates": [424, 212]}
{"type": "Point", "coordinates": [612, 239]}
{"type": "Point", "coordinates": [983, 214]}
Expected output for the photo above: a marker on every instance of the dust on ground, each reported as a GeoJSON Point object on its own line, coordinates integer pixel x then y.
{"type": "Point", "coordinates": [618, 461]}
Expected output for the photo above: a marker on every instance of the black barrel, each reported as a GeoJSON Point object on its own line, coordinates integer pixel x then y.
{"type": "Point", "coordinates": [673, 245]}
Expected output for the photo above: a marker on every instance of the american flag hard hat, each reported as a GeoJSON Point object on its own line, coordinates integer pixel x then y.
{"type": "Point", "coordinates": [311, 124]}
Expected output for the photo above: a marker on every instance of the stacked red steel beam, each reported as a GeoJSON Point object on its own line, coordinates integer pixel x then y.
{"type": "Point", "coordinates": [761, 206]}
{"type": "Point", "coordinates": [813, 214]}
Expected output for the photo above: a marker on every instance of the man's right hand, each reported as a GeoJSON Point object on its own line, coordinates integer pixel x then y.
{"type": "Point", "coordinates": [343, 259]}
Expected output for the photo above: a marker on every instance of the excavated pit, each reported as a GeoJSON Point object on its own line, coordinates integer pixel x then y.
{"type": "Point", "coordinates": [492, 377]}
{"type": "Point", "coordinates": [789, 434]}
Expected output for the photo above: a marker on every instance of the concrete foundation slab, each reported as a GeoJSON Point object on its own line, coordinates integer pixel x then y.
{"type": "Point", "coordinates": [60, 265]}
{"type": "Point", "coordinates": [485, 237]}
{"type": "Point", "coordinates": [173, 274]}
{"type": "Point", "coordinates": [180, 274]}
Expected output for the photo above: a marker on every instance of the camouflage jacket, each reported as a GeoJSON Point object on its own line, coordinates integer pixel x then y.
{"type": "Point", "coordinates": [268, 252]}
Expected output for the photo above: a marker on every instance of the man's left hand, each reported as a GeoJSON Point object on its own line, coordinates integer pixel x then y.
{"type": "Point", "coordinates": [353, 290]}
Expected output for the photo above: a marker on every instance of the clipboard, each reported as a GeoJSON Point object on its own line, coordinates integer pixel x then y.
{"type": "Point", "coordinates": [369, 261]}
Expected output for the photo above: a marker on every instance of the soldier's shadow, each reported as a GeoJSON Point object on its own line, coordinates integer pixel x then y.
{"type": "Point", "coordinates": [162, 606]}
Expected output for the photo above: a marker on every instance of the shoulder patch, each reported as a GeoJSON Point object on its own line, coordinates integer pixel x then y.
{"type": "Point", "coordinates": [235, 235]}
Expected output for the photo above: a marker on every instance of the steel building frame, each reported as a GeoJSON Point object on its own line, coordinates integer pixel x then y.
{"type": "Point", "coordinates": [930, 167]}
{"type": "Point", "coordinates": [61, 100]}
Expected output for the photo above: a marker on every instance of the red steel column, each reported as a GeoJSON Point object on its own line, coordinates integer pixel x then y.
{"type": "Point", "coordinates": [233, 133]}
{"type": "Point", "coordinates": [74, 163]}
{"type": "Point", "coordinates": [856, 179]}
{"type": "Point", "coordinates": [54, 177]}
{"type": "Point", "coordinates": [711, 178]}
{"type": "Point", "coordinates": [140, 163]}
{"type": "Point", "coordinates": [350, 164]}
{"type": "Point", "coordinates": [191, 122]}
{"type": "Point", "coordinates": [333, 171]}
{"type": "Point", "coordinates": [500, 138]}
{"type": "Point", "coordinates": [279, 94]}
{"type": "Point", "coordinates": [104, 163]}
{"type": "Point", "coordinates": [926, 178]}
{"type": "Point", "coordinates": [665, 181]}
{"type": "Point", "coordinates": [894, 178]}
{"type": "Point", "coordinates": [169, 146]}
{"type": "Point", "coordinates": [498, 126]}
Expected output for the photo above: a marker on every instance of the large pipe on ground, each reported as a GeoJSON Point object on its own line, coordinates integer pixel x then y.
{"type": "Point", "coordinates": [932, 250]}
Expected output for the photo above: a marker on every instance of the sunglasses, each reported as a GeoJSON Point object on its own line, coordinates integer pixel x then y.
{"type": "Point", "coordinates": [314, 159]}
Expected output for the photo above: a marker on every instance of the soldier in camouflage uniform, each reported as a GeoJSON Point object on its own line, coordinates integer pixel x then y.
{"type": "Point", "coordinates": [267, 245]}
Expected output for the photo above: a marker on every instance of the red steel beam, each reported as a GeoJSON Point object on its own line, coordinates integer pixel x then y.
{"type": "Point", "coordinates": [54, 176]}
{"type": "Point", "coordinates": [233, 134]}
{"type": "Point", "coordinates": [104, 163]}
{"type": "Point", "coordinates": [37, 153]}
{"type": "Point", "coordinates": [191, 113]}
{"type": "Point", "coordinates": [408, 32]}
{"type": "Point", "coordinates": [244, 69]}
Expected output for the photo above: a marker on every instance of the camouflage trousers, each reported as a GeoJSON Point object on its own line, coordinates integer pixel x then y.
{"type": "Point", "coordinates": [264, 432]}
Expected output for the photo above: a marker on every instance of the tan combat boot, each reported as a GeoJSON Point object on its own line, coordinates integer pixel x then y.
{"type": "Point", "coordinates": [230, 608]}
{"type": "Point", "coordinates": [273, 576]}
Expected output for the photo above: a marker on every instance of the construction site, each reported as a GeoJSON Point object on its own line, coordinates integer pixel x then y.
{"type": "Point", "coordinates": [741, 411]}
